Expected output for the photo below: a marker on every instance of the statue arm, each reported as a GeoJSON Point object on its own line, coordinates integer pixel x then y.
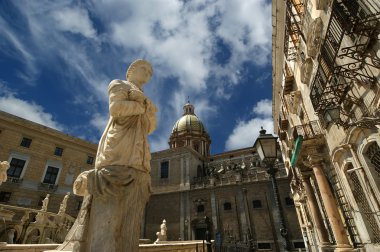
{"type": "Point", "coordinates": [151, 113]}
{"type": "Point", "coordinates": [120, 106]}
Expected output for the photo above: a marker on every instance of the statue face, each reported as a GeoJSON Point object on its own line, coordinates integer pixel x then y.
{"type": "Point", "coordinates": [141, 74]}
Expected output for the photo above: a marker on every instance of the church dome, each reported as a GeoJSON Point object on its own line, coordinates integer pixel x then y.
{"type": "Point", "coordinates": [189, 131]}
{"type": "Point", "coordinates": [189, 122]}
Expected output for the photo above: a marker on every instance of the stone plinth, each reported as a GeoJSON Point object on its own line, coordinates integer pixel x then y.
{"type": "Point", "coordinates": [186, 246]}
{"type": "Point", "coordinates": [27, 247]}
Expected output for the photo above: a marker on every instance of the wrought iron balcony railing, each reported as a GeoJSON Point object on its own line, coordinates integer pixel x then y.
{"type": "Point", "coordinates": [355, 22]}
{"type": "Point", "coordinates": [47, 187]}
{"type": "Point", "coordinates": [14, 180]}
{"type": "Point", "coordinates": [293, 19]}
{"type": "Point", "coordinates": [309, 130]}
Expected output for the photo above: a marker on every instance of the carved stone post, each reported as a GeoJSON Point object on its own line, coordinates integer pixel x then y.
{"type": "Point", "coordinates": [316, 215]}
{"type": "Point", "coordinates": [329, 204]}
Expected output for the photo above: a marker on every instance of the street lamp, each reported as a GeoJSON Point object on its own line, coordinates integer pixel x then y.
{"type": "Point", "coordinates": [267, 148]}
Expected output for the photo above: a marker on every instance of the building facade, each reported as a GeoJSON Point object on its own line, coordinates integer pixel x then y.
{"type": "Point", "coordinates": [326, 56]}
{"type": "Point", "coordinates": [42, 161]}
{"type": "Point", "coordinates": [228, 194]}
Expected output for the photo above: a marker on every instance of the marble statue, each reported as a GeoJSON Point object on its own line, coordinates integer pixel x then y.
{"type": "Point", "coordinates": [163, 230]}
{"type": "Point", "coordinates": [63, 206]}
{"type": "Point", "coordinates": [118, 188]}
{"type": "Point", "coordinates": [162, 236]}
{"type": "Point", "coordinates": [45, 203]}
{"type": "Point", "coordinates": [4, 166]}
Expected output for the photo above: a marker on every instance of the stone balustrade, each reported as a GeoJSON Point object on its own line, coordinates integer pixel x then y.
{"type": "Point", "coordinates": [183, 246]}
{"type": "Point", "coordinates": [31, 226]}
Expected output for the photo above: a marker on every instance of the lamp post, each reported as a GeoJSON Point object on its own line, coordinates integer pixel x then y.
{"type": "Point", "coordinates": [266, 147]}
{"type": "Point", "coordinates": [249, 231]}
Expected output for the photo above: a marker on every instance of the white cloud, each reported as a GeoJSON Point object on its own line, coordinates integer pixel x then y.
{"type": "Point", "coordinates": [178, 37]}
{"type": "Point", "coordinates": [74, 20]}
{"type": "Point", "coordinates": [99, 121]}
{"type": "Point", "coordinates": [28, 110]}
{"type": "Point", "coordinates": [245, 132]}
{"type": "Point", "coordinates": [21, 52]}
{"type": "Point", "coordinates": [158, 143]}
{"type": "Point", "coordinates": [263, 108]}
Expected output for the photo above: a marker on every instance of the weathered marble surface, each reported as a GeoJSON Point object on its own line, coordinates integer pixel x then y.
{"type": "Point", "coordinates": [4, 166]}
{"type": "Point", "coordinates": [162, 235]}
{"type": "Point", "coordinates": [117, 190]}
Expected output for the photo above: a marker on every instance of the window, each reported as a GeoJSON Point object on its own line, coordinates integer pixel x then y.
{"type": "Point", "coordinates": [51, 175]}
{"type": "Point", "coordinates": [298, 245]}
{"type": "Point", "coordinates": [200, 208]}
{"type": "Point", "coordinates": [25, 142]}
{"type": "Point", "coordinates": [257, 204]}
{"type": "Point", "coordinates": [373, 153]}
{"type": "Point", "coordinates": [196, 147]}
{"type": "Point", "coordinates": [227, 206]}
{"type": "Point", "coordinates": [165, 169]}
{"type": "Point", "coordinates": [16, 167]}
{"type": "Point", "coordinates": [5, 196]}
{"type": "Point", "coordinates": [90, 160]}
{"type": "Point", "coordinates": [58, 151]}
{"type": "Point", "coordinates": [263, 245]}
{"type": "Point", "coordinates": [289, 201]}
{"type": "Point", "coordinates": [79, 204]}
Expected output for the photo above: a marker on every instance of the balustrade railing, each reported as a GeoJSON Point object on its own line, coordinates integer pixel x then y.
{"type": "Point", "coordinates": [28, 225]}
{"type": "Point", "coordinates": [47, 187]}
{"type": "Point", "coordinates": [308, 130]}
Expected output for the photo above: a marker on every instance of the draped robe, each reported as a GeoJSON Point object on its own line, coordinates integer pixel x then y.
{"type": "Point", "coordinates": [119, 186]}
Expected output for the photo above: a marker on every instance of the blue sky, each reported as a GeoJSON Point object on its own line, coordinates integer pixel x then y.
{"type": "Point", "coordinates": [58, 57]}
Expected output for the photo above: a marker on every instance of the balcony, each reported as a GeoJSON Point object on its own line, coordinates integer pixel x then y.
{"type": "Point", "coordinates": [47, 187]}
{"type": "Point", "coordinates": [14, 180]}
{"type": "Point", "coordinates": [341, 68]}
{"type": "Point", "coordinates": [282, 135]}
{"type": "Point", "coordinates": [283, 123]}
{"type": "Point", "coordinates": [308, 131]}
{"type": "Point", "coordinates": [293, 20]}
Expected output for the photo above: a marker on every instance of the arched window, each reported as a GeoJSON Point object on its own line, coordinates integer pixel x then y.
{"type": "Point", "coordinates": [372, 158]}
{"type": "Point", "coordinates": [199, 171]}
{"type": "Point", "coordinates": [196, 146]}
{"type": "Point", "coordinates": [363, 204]}
{"type": "Point", "coordinates": [373, 154]}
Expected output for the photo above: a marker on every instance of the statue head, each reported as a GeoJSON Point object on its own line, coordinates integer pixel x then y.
{"type": "Point", "coordinates": [139, 72]}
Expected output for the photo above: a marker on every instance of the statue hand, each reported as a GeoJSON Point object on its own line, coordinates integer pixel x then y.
{"type": "Point", "coordinates": [80, 184]}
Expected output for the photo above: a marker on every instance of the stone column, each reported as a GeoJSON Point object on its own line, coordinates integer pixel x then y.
{"type": "Point", "coordinates": [182, 217]}
{"type": "Point", "coordinates": [214, 211]}
{"type": "Point", "coordinates": [315, 213]}
{"type": "Point", "coordinates": [187, 173]}
{"type": "Point", "coordinates": [182, 161]}
{"type": "Point", "coordinates": [329, 204]}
